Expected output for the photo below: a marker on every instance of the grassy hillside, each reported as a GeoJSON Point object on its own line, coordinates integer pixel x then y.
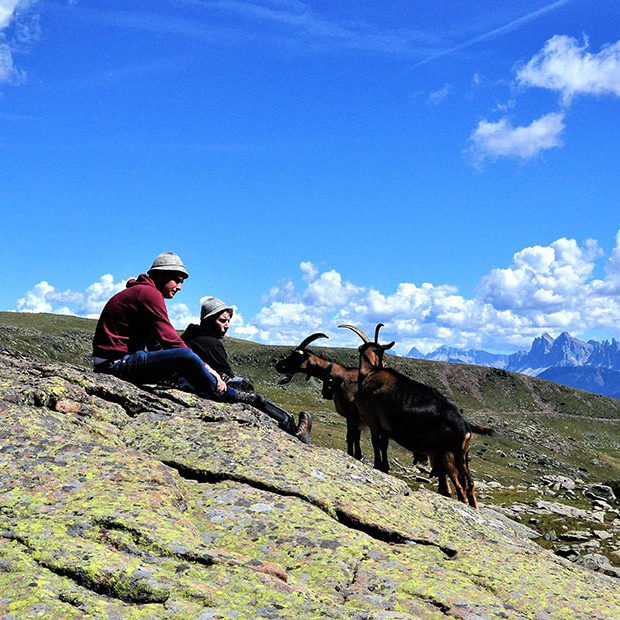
{"type": "Point", "coordinates": [48, 336]}
{"type": "Point", "coordinates": [544, 430]}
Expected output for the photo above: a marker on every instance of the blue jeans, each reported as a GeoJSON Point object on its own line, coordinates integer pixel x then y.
{"type": "Point", "coordinates": [154, 366]}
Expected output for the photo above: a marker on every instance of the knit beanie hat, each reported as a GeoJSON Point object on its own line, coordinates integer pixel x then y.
{"type": "Point", "coordinates": [168, 261]}
{"type": "Point", "coordinates": [212, 306]}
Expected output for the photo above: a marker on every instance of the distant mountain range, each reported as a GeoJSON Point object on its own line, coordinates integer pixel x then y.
{"type": "Point", "coordinates": [592, 366]}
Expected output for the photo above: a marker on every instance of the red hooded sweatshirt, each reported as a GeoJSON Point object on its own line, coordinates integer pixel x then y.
{"type": "Point", "coordinates": [133, 320]}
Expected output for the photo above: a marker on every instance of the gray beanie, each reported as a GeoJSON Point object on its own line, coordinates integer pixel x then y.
{"type": "Point", "coordinates": [168, 261]}
{"type": "Point", "coordinates": [212, 306]}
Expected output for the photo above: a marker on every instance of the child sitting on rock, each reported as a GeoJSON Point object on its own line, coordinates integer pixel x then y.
{"type": "Point", "coordinates": [206, 341]}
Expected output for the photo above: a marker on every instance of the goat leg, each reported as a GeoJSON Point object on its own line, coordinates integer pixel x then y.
{"type": "Point", "coordinates": [437, 469]}
{"type": "Point", "coordinates": [471, 492]}
{"type": "Point", "coordinates": [379, 449]}
{"type": "Point", "coordinates": [468, 481]}
{"type": "Point", "coordinates": [450, 460]}
{"type": "Point", "coordinates": [353, 436]}
{"type": "Point", "coordinates": [384, 440]}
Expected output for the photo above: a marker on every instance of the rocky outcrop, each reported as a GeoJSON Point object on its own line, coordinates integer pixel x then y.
{"type": "Point", "coordinates": [122, 502]}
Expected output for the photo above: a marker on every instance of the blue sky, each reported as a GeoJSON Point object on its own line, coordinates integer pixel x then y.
{"type": "Point", "coordinates": [449, 169]}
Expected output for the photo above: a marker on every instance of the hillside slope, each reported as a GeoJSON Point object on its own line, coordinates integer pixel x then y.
{"type": "Point", "coordinates": [552, 442]}
{"type": "Point", "coordinates": [123, 502]}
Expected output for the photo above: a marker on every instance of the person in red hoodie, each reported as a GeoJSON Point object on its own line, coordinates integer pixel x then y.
{"type": "Point", "coordinates": [134, 339]}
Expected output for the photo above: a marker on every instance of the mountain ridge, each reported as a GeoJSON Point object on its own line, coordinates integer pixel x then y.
{"type": "Point", "coordinates": [554, 359]}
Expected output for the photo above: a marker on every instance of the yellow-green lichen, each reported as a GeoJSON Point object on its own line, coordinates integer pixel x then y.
{"type": "Point", "coordinates": [191, 509]}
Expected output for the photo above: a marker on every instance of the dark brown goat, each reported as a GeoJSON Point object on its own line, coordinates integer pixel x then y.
{"type": "Point", "coordinates": [339, 383]}
{"type": "Point", "coordinates": [416, 416]}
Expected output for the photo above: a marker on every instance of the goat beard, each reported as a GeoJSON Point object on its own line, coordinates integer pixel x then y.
{"type": "Point", "coordinates": [286, 380]}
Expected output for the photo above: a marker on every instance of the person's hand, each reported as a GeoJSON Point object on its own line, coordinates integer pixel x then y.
{"type": "Point", "coordinates": [220, 383]}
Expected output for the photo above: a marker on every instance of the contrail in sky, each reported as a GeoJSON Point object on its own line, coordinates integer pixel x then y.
{"type": "Point", "coordinates": [496, 32]}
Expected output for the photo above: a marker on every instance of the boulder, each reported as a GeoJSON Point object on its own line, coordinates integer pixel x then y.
{"type": "Point", "coordinates": [600, 492]}
{"type": "Point", "coordinates": [597, 562]}
{"type": "Point", "coordinates": [119, 501]}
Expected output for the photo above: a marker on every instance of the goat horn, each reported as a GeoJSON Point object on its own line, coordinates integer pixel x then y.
{"type": "Point", "coordinates": [377, 330]}
{"type": "Point", "coordinates": [312, 338]}
{"type": "Point", "coordinates": [358, 331]}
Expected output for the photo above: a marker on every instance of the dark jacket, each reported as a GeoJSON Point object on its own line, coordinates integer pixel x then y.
{"type": "Point", "coordinates": [208, 348]}
{"type": "Point", "coordinates": [133, 320]}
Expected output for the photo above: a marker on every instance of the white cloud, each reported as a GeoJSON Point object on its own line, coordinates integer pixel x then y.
{"type": "Point", "coordinates": [37, 299]}
{"type": "Point", "coordinates": [7, 9]}
{"type": "Point", "coordinates": [545, 288]}
{"type": "Point", "coordinates": [308, 270]}
{"type": "Point", "coordinates": [287, 323]}
{"type": "Point", "coordinates": [541, 278]}
{"type": "Point", "coordinates": [565, 66]}
{"type": "Point", "coordinates": [98, 293]}
{"type": "Point", "coordinates": [44, 297]}
{"type": "Point", "coordinates": [612, 268]}
{"type": "Point", "coordinates": [240, 329]}
{"type": "Point", "coordinates": [181, 316]}
{"type": "Point", "coordinates": [282, 291]}
{"type": "Point", "coordinates": [280, 314]}
{"type": "Point", "coordinates": [437, 96]}
{"type": "Point", "coordinates": [501, 139]}
{"type": "Point", "coordinates": [17, 29]}
{"type": "Point", "coordinates": [6, 63]}
{"type": "Point", "coordinates": [329, 291]}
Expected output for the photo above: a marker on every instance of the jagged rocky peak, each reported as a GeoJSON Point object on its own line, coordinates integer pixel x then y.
{"type": "Point", "coordinates": [415, 354]}
{"type": "Point", "coordinates": [564, 337]}
{"type": "Point", "coordinates": [542, 344]}
{"type": "Point", "coordinates": [605, 354]}
{"type": "Point", "coordinates": [570, 351]}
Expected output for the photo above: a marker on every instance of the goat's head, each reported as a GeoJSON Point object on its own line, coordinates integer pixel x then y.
{"type": "Point", "coordinates": [371, 353]}
{"type": "Point", "coordinates": [297, 359]}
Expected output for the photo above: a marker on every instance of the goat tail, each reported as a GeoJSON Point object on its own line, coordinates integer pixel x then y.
{"type": "Point", "coordinates": [481, 430]}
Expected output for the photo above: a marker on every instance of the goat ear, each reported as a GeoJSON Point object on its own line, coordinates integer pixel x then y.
{"type": "Point", "coordinates": [385, 347]}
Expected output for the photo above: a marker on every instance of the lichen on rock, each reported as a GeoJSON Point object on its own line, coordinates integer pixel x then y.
{"type": "Point", "coordinates": [123, 502]}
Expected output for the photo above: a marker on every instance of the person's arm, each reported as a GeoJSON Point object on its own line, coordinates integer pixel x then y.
{"type": "Point", "coordinates": [163, 333]}
{"type": "Point", "coordinates": [221, 384]}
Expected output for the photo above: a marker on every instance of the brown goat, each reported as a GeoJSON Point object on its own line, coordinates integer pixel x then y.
{"type": "Point", "coordinates": [416, 416]}
{"type": "Point", "coordinates": [339, 383]}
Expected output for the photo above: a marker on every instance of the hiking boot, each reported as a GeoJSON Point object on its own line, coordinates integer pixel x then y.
{"type": "Point", "coordinates": [250, 398]}
{"type": "Point", "coordinates": [304, 427]}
